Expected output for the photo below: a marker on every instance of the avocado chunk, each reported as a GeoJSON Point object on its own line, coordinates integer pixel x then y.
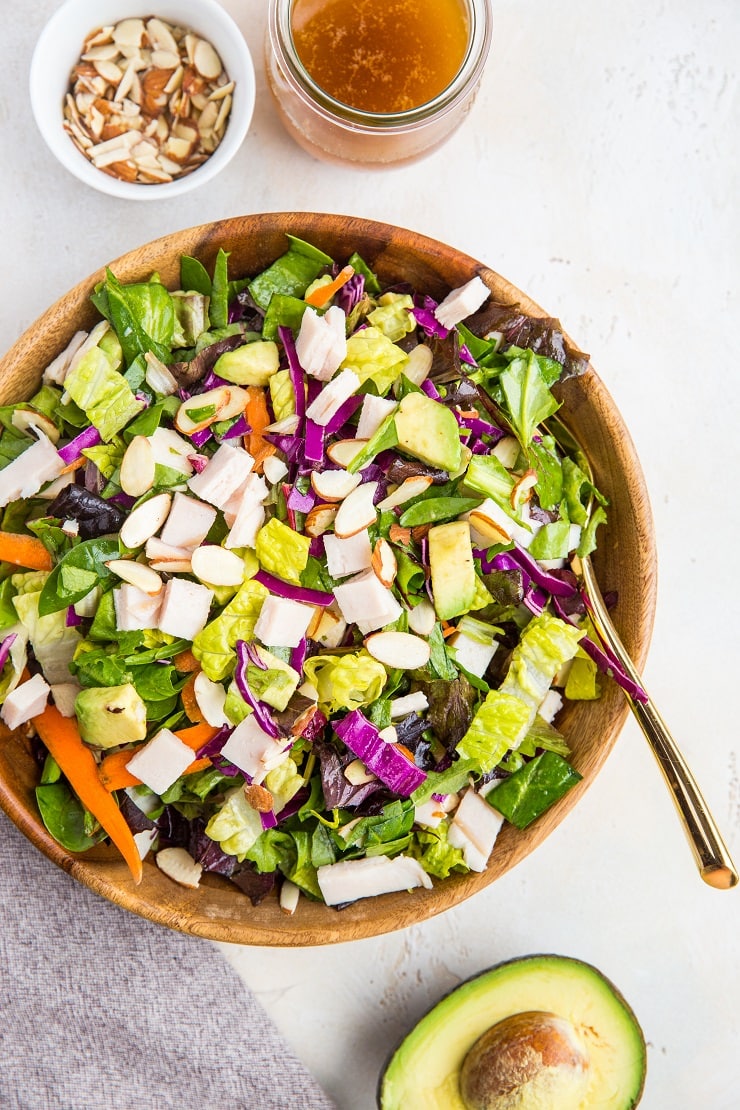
{"type": "Point", "coordinates": [454, 583]}
{"type": "Point", "coordinates": [428, 431]}
{"type": "Point", "coordinates": [252, 364]}
{"type": "Point", "coordinates": [539, 1033]}
{"type": "Point", "coordinates": [110, 715]}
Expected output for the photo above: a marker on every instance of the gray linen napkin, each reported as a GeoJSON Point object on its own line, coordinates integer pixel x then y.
{"type": "Point", "coordinates": [102, 1010]}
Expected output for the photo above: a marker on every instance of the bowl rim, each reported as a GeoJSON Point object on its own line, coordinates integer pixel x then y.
{"type": "Point", "coordinates": [104, 872]}
{"type": "Point", "coordinates": [227, 38]}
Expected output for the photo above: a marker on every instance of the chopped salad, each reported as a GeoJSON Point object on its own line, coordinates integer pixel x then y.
{"type": "Point", "coordinates": [284, 577]}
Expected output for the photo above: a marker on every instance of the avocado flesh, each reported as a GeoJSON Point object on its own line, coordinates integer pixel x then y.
{"type": "Point", "coordinates": [423, 1073]}
{"type": "Point", "coordinates": [110, 715]}
{"type": "Point", "coordinates": [428, 431]}
{"type": "Point", "coordinates": [454, 581]}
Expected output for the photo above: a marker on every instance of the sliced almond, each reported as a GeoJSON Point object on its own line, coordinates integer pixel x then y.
{"type": "Point", "coordinates": [290, 895]}
{"type": "Point", "coordinates": [28, 420]}
{"type": "Point", "coordinates": [334, 485]}
{"type": "Point", "coordinates": [217, 566]}
{"type": "Point", "coordinates": [422, 618]}
{"type": "Point", "coordinates": [171, 566]}
{"type": "Point", "coordinates": [357, 773]}
{"type": "Point", "coordinates": [165, 59]}
{"type": "Point", "coordinates": [419, 364]}
{"type": "Point", "coordinates": [258, 797]}
{"type": "Point", "coordinates": [160, 35]}
{"type": "Point", "coordinates": [522, 490]}
{"type": "Point", "coordinates": [206, 60]}
{"type": "Point", "coordinates": [356, 512]}
{"type": "Point", "coordinates": [129, 32]}
{"type": "Point", "coordinates": [137, 467]}
{"type": "Point", "coordinates": [210, 697]}
{"type": "Point", "coordinates": [180, 866]}
{"type": "Point", "coordinates": [109, 71]}
{"type": "Point", "coordinates": [330, 628]}
{"type": "Point", "coordinates": [409, 488]}
{"type": "Point", "coordinates": [136, 574]}
{"type": "Point", "coordinates": [219, 403]}
{"type": "Point", "coordinates": [155, 550]}
{"type": "Point", "coordinates": [158, 377]}
{"type": "Point", "coordinates": [343, 451]}
{"type": "Point", "coordinates": [507, 451]}
{"type": "Point", "coordinates": [384, 562]}
{"type": "Point", "coordinates": [104, 52]}
{"type": "Point", "coordinates": [483, 524]}
{"type": "Point", "coordinates": [222, 91]}
{"type": "Point", "coordinates": [319, 519]}
{"type": "Point", "coordinates": [145, 520]}
{"type": "Point", "coordinates": [399, 650]}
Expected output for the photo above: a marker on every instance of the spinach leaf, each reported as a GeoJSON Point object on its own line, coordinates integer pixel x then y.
{"type": "Point", "coordinates": [194, 276]}
{"type": "Point", "coordinates": [65, 586]}
{"type": "Point", "coordinates": [66, 818]}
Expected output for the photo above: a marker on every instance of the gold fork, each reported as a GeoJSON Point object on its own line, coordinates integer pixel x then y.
{"type": "Point", "coordinates": [709, 850]}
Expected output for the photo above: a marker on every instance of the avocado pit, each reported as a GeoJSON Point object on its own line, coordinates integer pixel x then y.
{"type": "Point", "coordinates": [526, 1061]}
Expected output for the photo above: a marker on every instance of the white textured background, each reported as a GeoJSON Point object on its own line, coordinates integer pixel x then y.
{"type": "Point", "coordinates": [599, 171]}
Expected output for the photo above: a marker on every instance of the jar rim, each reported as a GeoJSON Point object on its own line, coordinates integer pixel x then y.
{"type": "Point", "coordinates": [479, 41]}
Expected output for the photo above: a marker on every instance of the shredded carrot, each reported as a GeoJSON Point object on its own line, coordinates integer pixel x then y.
{"type": "Point", "coordinates": [76, 464]}
{"type": "Point", "coordinates": [258, 417]}
{"type": "Point", "coordinates": [323, 293]}
{"type": "Point", "coordinates": [189, 700]}
{"type": "Point", "coordinates": [185, 662]}
{"type": "Point", "coordinates": [24, 551]}
{"type": "Point", "coordinates": [113, 771]}
{"type": "Point", "coordinates": [448, 629]}
{"type": "Point", "coordinates": [62, 738]}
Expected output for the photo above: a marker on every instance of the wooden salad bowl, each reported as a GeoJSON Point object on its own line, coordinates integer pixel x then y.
{"type": "Point", "coordinates": [625, 563]}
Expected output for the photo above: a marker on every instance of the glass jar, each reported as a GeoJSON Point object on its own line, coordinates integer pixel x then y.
{"type": "Point", "coordinates": [336, 132]}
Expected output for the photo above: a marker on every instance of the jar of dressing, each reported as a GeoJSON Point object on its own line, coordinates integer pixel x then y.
{"type": "Point", "coordinates": [375, 83]}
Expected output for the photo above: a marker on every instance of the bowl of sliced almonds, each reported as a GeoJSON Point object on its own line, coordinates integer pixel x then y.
{"type": "Point", "coordinates": [139, 105]}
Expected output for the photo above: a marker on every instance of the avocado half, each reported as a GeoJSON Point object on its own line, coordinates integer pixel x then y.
{"type": "Point", "coordinates": [426, 1070]}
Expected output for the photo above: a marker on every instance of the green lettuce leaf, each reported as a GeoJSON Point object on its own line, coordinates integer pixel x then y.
{"type": "Point", "coordinates": [215, 646]}
{"type": "Point", "coordinates": [289, 275]}
{"type": "Point", "coordinates": [236, 825]}
{"type": "Point", "coordinates": [53, 643]}
{"type": "Point", "coordinates": [552, 541]}
{"type": "Point", "coordinates": [102, 393]}
{"type": "Point", "coordinates": [532, 789]}
{"type": "Point", "coordinates": [546, 644]}
{"type": "Point", "coordinates": [435, 854]}
{"type": "Point", "coordinates": [282, 394]}
{"type": "Point", "coordinates": [393, 316]}
{"type": "Point", "coordinates": [142, 314]}
{"type": "Point", "coordinates": [281, 551]}
{"type": "Point", "coordinates": [373, 357]}
{"type": "Point", "coordinates": [345, 681]}
{"type": "Point", "coordinates": [498, 725]}
{"type": "Point", "coordinates": [528, 399]}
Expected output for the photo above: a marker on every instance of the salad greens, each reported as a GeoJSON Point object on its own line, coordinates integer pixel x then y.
{"type": "Point", "coordinates": [288, 552]}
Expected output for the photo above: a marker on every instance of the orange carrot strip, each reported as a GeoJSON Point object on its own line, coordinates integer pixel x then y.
{"type": "Point", "coordinates": [62, 738]}
{"type": "Point", "coordinates": [76, 464]}
{"type": "Point", "coordinates": [24, 551]}
{"type": "Point", "coordinates": [323, 293]}
{"type": "Point", "coordinates": [114, 773]}
{"type": "Point", "coordinates": [258, 417]}
{"type": "Point", "coordinates": [448, 629]}
{"type": "Point", "coordinates": [185, 662]}
{"type": "Point", "coordinates": [189, 700]}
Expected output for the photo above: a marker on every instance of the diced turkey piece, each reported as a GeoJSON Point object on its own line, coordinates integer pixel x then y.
{"type": "Point", "coordinates": [226, 472]}
{"type": "Point", "coordinates": [185, 608]}
{"type": "Point", "coordinates": [366, 602]}
{"type": "Point", "coordinates": [172, 450]}
{"type": "Point", "coordinates": [349, 880]}
{"type": "Point", "coordinates": [332, 397]}
{"type": "Point", "coordinates": [321, 344]}
{"type": "Point", "coordinates": [136, 610]}
{"type": "Point", "coordinates": [493, 512]}
{"type": "Point", "coordinates": [432, 813]}
{"type": "Point", "coordinates": [249, 520]}
{"type": "Point", "coordinates": [254, 491]}
{"type": "Point", "coordinates": [330, 629]}
{"type": "Point", "coordinates": [161, 761]}
{"type": "Point", "coordinates": [157, 552]}
{"type": "Point", "coordinates": [461, 302]}
{"type": "Point", "coordinates": [56, 371]}
{"type": "Point", "coordinates": [348, 556]}
{"type": "Point", "coordinates": [251, 749]}
{"type": "Point", "coordinates": [26, 701]}
{"type": "Point", "coordinates": [64, 694]}
{"type": "Point", "coordinates": [26, 474]}
{"type": "Point", "coordinates": [188, 523]}
{"type": "Point", "coordinates": [283, 622]}
{"type": "Point", "coordinates": [472, 654]}
{"type": "Point", "coordinates": [551, 705]}
{"type": "Point", "coordinates": [372, 414]}
{"type": "Point", "coordinates": [474, 829]}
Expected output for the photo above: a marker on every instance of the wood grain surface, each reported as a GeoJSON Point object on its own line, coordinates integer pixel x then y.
{"type": "Point", "coordinates": [625, 563]}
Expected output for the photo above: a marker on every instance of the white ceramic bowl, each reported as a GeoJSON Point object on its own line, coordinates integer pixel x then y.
{"type": "Point", "coordinates": [58, 49]}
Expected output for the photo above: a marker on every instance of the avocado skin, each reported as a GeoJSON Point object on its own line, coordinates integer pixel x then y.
{"type": "Point", "coordinates": [633, 1042]}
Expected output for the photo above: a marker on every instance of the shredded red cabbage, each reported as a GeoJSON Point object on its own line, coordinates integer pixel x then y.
{"type": "Point", "coordinates": [297, 375]}
{"type": "Point", "coordinates": [199, 439]}
{"type": "Point", "coordinates": [5, 646]}
{"type": "Point", "coordinates": [385, 760]}
{"type": "Point", "coordinates": [261, 712]}
{"type": "Point", "coordinates": [72, 451]}
{"type": "Point", "coordinates": [295, 593]}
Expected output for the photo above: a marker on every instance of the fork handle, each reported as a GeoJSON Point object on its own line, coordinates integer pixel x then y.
{"type": "Point", "coordinates": [709, 850]}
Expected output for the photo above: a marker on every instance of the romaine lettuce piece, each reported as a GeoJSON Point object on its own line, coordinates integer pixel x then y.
{"type": "Point", "coordinates": [434, 852]}
{"type": "Point", "coordinates": [53, 643]}
{"type": "Point", "coordinates": [528, 399]}
{"type": "Point", "coordinates": [102, 393]}
{"type": "Point", "coordinates": [215, 646]}
{"type": "Point", "coordinates": [276, 684]}
{"type": "Point", "coordinates": [499, 725]}
{"type": "Point", "coordinates": [236, 825]}
{"type": "Point", "coordinates": [393, 316]}
{"type": "Point", "coordinates": [345, 681]}
{"type": "Point", "coordinates": [282, 395]}
{"type": "Point", "coordinates": [373, 357]}
{"type": "Point", "coordinates": [281, 551]}
{"type": "Point", "coordinates": [546, 644]}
